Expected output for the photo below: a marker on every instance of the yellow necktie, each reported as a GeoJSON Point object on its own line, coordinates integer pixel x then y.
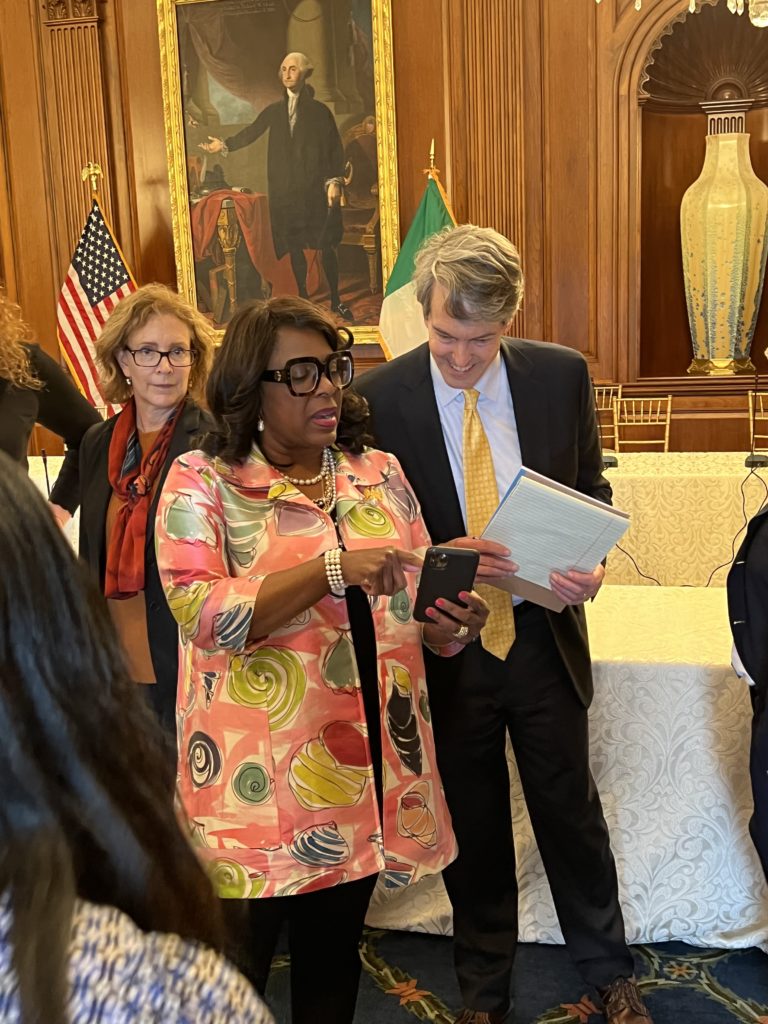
{"type": "Point", "coordinates": [482, 499]}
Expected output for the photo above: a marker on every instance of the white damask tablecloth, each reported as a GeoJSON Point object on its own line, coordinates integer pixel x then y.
{"type": "Point", "coordinates": [669, 741]}
{"type": "Point", "coordinates": [686, 509]}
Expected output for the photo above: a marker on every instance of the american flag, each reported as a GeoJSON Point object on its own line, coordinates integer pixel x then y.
{"type": "Point", "coordinates": [96, 281]}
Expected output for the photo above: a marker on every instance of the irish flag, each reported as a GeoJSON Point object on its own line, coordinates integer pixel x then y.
{"type": "Point", "coordinates": [401, 322]}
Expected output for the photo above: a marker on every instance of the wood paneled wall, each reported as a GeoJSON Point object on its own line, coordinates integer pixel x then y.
{"type": "Point", "coordinates": [533, 105]}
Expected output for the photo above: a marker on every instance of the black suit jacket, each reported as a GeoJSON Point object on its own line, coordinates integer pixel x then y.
{"type": "Point", "coordinates": [748, 600]}
{"type": "Point", "coordinates": [557, 428]}
{"type": "Point", "coordinates": [95, 493]}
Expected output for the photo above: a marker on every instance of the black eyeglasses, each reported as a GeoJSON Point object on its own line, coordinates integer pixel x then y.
{"type": "Point", "coordinates": [302, 375]}
{"type": "Point", "coordinates": [153, 357]}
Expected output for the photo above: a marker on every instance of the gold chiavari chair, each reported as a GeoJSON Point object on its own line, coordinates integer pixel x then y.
{"type": "Point", "coordinates": [758, 421]}
{"type": "Point", "coordinates": [643, 416]}
{"type": "Point", "coordinates": [605, 394]}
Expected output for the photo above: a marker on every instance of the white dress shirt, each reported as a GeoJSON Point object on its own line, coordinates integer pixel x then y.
{"type": "Point", "coordinates": [293, 100]}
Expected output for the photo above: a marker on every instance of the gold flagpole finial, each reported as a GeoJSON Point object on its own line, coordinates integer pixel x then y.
{"type": "Point", "coordinates": [94, 172]}
{"type": "Point", "coordinates": [431, 171]}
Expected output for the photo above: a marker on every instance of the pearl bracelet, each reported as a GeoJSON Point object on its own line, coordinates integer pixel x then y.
{"type": "Point", "coordinates": [333, 572]}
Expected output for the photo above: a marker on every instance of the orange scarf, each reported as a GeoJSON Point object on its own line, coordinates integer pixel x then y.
{"type": "Point", "coordinates": [132, 478]}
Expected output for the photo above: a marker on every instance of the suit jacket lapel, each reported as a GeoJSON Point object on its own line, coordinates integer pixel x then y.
{"type": "Point", "coordinates": [530, 399]}
{"type": "Point", "coordinates": [93, 511]}
{"type": "Point", "coordinates": [421, 420]}
{"type": "Point", "coordinates": [101, 490]}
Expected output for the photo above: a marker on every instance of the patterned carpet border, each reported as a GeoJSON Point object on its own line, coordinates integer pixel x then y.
{"type": "Point", "coordinates": [691, 976]}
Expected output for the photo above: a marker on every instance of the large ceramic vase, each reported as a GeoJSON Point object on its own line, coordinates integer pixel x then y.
{"type": "Point", "coordinates": [723, 223]}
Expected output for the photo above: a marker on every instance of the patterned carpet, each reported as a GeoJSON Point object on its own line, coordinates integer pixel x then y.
{"type": "Point", "coordinates": [409, 976]}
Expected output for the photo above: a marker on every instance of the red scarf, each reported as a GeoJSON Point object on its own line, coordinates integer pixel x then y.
{"type": "Point", "coordinates": [132, 478]}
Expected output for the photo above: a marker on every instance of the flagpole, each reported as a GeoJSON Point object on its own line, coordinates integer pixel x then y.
{"type": "Point", "coordinates": [94, 172]}
{"type": "Point", "coordinates": [433, 173]}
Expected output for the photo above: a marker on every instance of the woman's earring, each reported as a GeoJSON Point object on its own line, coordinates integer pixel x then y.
{"type": "Point", "coordinates": [260, 425]}
{"type": "Point", "coordinates": [128, 381]}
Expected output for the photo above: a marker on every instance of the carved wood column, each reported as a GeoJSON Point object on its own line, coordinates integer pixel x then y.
{"type": "Point", "coordinates": [485, 79]}
{"type": "Point", "coordinates": [75, 114]}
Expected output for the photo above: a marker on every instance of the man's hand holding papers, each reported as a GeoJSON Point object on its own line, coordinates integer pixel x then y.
{"type": "Point", "coordinates": [559, 536]}
{"type": "Point", "coordinates": [570, 587]}
{"type": "Point", "coordinates": [495, 562]}
{"type": "Point", "coordinates": [576, 587]}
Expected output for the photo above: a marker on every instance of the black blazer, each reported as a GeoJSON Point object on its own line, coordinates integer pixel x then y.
{"type": "Point", "coordinates": [95, 493]}
{"type": "Point", "coordinates": [748, 600]}
{"type": "Point", "coordinates": [557, 428]}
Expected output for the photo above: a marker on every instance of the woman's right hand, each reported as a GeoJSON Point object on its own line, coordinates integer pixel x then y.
{"type": "Point", "coordinates": [379, 570]}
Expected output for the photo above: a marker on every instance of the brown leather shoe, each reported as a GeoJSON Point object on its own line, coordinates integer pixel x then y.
{"type": "Point", "coordinates": [623, 1003]}
{"type": "Point", "coordinates": [481, 1017]}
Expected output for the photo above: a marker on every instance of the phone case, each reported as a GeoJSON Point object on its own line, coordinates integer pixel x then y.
{"type": "Point", "coordinates": [446, 572]}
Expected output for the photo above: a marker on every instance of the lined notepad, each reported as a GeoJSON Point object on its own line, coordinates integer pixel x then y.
{"type": "Point", "coordinates": [551, 528]}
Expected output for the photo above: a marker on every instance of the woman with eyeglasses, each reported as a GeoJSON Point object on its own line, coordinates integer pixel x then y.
{"type": "Point", "coordinates": [153, 356]}
{"type": "Point", "coordinates": [288, 552]}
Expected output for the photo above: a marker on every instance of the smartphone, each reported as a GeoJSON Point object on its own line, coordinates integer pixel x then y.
{"type": "Point", "coordinates": [446, 573]}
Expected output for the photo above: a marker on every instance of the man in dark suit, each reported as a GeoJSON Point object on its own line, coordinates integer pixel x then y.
{"type": "Point", "coordinates": [536, 409]}
{"type": "Point", "coordinates": [305, 174]}
{"type": "Point", "coordinates": [748, 612]}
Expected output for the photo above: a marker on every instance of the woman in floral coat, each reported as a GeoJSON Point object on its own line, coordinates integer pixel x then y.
{"type": "Point", "coordinates": [288, 552]}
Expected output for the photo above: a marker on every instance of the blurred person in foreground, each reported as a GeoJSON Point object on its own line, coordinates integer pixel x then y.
{"type": "Point", "coordinates": [35, 389]}
{"type": "Point", "coordinates": [153, 356]}
{"type": "Point", "coordinates": [105, 913]}
{"type": "Point", "coordinates": [288, 551]}
{"type": "Point", "coordinates": [748, 612]}
{"type": "Point", "coordinates": [464, 412]}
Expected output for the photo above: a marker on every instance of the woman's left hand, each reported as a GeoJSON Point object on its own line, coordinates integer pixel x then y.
{"type": "Point", "coordinates": [456, 623]}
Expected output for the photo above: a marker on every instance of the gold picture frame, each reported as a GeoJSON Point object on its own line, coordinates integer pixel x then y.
{"type": "Point", "coordinates": [221, 242]}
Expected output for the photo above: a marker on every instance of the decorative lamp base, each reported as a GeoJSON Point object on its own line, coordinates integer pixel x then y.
{"type": "Point", "coordinates": [721, 367]}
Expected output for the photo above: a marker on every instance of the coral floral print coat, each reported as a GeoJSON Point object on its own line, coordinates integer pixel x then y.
{"type": "Point", "coordinates": [275, 764]}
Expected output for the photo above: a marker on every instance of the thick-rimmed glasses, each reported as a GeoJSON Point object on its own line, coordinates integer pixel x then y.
{"type": "Point", "coordinates": [151, 357]}
{"type": "Point", "coordinates": [302, 375]}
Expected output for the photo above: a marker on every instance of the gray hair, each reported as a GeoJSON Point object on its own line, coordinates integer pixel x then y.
{"type": "Point", "coordinates": [479, 270]}
{"type": "Point", "coordinates": [306, 65]}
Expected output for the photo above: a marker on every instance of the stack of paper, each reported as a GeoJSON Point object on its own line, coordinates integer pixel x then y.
{"type": "Point", "coordinates": [551, 528]}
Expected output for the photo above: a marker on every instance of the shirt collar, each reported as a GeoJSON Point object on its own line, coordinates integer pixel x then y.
{"type": "Point", "coordinates": [489, 386]}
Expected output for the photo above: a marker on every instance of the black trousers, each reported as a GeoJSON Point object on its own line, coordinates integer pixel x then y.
{"type": "Point", "coordinates": [531, 697]}
{"type": "Point", "coordinates": [758, 768]}
{"type": "Point", "coordinates": [324, 930]}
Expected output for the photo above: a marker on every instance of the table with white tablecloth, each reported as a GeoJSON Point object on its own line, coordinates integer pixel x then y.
{"type": "Point", "coordinates": [687, 510]}
{"type": "Point", "coordinates": [669, 750]}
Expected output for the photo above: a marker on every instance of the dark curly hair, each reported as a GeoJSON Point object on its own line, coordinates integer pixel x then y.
{"type": "Point", "coordinates": [234, 389]}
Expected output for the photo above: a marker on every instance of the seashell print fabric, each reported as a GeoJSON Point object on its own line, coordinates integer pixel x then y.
{"type": "Point", "coordinates": [275, 769]}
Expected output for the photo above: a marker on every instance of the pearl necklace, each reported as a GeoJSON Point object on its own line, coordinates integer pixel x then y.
{"type": "Point", "coordinates": [325, 466]}
{"type": "Point", "coordinates": [328, 475]}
